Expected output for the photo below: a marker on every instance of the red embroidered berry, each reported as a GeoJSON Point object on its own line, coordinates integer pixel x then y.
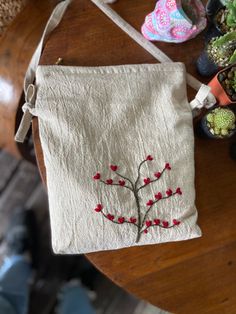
{"type": "Point", "coordinates": [169, 192]}
{"type": "Point", "coordinates": [157, 221]}
{"type": "Point", "coordinates": [150, 203]}
{"type": "Point", "coordinates": [145, 231]}
{"type": "Point", "coordinates": [149, 157]}
{"type": "Point", "coordinates": [113, 167]}
{"type": "Point", "coordinates": [133, 220]}
{"type": "Point", "coordinates": [121, 220]}
{"type": "Point", "coordinates": [97, 176]}
{"type": "Point", "coordinates": [109, 181]}
{"type": "Point", "coordinates": [178, 191]}
{"type": "Point", "coordinates": [99, 208]}
{"type": "Point", "coordinates": [176, 222]}
{"type": "Point", "coordinates": [148, 223]}
{"type": "Point", "coordinates": [121, 182]}
{"type": "Point", "coordinates": [158, 196]}
{"type": "Point", "coordinates": [157, 174]}
{"type": "Point", "coordinates": [146, 181]}
{"type": "Point", "coordinates": [165, 224]}
{"type": "Point", "coordinates": [167, 166]}
{"type": "Point", "coordinates": [110, 217]}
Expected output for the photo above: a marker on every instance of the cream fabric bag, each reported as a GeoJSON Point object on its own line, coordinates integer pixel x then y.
{"type": "Point", "coordinates": [118, 149]}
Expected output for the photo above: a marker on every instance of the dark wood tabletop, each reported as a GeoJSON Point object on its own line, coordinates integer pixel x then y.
{"type": "Point", "coordinates": [17, 45]}
{"type": "Point", "coordinates": [196, 276]}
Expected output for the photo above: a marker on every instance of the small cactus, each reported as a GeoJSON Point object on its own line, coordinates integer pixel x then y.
{"type": "Point", "coordinates": [221, 122]}
{"type": "Point", "coordinates": [225, 17]}
{"type": "Point", "coordinates": [222, 49]}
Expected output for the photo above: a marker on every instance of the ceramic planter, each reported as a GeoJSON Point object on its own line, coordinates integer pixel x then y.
{"type": "Point", "coordinates": [211, 33]}
{"type": "Point", "coordinates": [218, 90]}
{"type": "Point", "coordinates": [209, 128]}
{"type": "Point", "coordinates": [212, 8]}
{"type": "Point", "coordinates": [174, 21]}
{"type": "Point", "coordinates": [205, 65]}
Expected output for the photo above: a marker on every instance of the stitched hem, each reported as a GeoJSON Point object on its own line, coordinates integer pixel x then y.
{"type": "Point", "coordinates": [116, 69]}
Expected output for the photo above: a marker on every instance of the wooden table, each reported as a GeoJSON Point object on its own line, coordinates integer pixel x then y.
{"type": "Point", "coordinates": [16, 47]}
{"type": "Point", "coordinates": [197, 276]}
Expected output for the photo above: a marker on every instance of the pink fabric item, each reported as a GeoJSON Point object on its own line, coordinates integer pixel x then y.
{"type": "Point", "coordinates": [175, 21]}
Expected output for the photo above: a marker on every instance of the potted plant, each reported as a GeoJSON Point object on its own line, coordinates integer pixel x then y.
{"type": "Point", "coordinates": [219, 123]}
{"type": "Point", "coordinates": [219, 52]}
{"type": "Point", "coordinates": [223, 15]}
{"type": "Point", "coordinates": [213, 7]}
{"type": "Point", "coordinates": [223, 85]}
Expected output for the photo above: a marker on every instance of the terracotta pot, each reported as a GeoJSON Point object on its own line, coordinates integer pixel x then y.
{"type": "Point", "coordinates": [218, 90]}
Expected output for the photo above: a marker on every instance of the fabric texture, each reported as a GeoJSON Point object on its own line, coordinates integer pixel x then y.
{"type": "Point", "coordinates": [118, 150]}
{"type": "Point", "coordinates": [175, 21]}
{"type": "Point", "coordinates": [55, 18]}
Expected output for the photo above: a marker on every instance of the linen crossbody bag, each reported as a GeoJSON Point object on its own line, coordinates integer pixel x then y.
{"type": "Point", "coordinates": [118, 147]}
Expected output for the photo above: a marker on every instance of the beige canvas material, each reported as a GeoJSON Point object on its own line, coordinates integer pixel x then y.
{"type": "Point", "coordinates": [56, 17]}
{"type": "Point", "coordinates": [91, 118]}
{"type": "Point", "coordinates": [203, 97]}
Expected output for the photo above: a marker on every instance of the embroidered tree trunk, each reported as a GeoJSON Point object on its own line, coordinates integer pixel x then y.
{"type": "Point", "coordinates": [141, 222]}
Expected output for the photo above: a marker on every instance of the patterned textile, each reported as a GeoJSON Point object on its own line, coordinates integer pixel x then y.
{"type": "Point", "coordinates": [174, 21]}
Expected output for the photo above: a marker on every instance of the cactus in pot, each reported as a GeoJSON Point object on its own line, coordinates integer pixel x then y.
{"type": "Point", "coordinates": [220, 123]}
{"type": "Point", "coordinates": [219, 52]}
{"type": "Point", "coordinates": [222, 50]}
{"type": "Point", "coordinates": [225, 18]}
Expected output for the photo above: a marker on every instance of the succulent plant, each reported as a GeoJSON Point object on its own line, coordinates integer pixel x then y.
{"type": "Point", "coordinates": [231, 14]}
{"type": "Point", "coordinates": [222, 49]}
{"type": "Point", "coordinates": [221, 122]}
{"type": "Point", "coordinates": [225, 16]}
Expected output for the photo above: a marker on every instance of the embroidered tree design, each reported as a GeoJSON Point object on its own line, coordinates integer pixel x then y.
{"type": "Point", "coordinates": [140, 221]}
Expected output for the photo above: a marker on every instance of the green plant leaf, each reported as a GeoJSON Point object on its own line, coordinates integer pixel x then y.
{"type": "Point", "coordinates": [222, 40]}
{"type": "Point", "coordinates": [233, 57]}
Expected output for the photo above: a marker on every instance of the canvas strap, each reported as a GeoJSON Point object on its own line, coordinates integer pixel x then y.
{"type": "Point", "coordinates": [203, 97]}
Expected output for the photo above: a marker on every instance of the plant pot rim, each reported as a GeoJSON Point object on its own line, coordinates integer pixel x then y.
{"type": "Point", "coordinates": [221, 71]}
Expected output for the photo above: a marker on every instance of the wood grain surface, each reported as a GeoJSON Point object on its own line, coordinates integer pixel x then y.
{"type": "Point", "coordinates": [196, 276]}
{"type": "Point", "coordinates": [16, 47]}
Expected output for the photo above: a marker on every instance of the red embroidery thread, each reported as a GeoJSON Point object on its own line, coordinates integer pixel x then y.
{"type": "Point", "coordinates": [141, 223]}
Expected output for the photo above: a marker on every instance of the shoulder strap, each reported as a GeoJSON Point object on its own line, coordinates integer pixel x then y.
{"type": "Point", "coordinates": [54, 20]}
{"type": "Point", "coordinates": [142, 41]}
{"type": "Point", "coordinates": [203, 97]}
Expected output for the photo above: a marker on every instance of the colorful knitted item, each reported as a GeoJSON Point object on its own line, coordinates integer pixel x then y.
{"type": "Point", "coordinates": [174, 21]}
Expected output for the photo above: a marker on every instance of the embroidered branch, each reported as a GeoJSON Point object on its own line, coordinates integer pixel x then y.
{"type": "Point", "coordinates": [142, 221]}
